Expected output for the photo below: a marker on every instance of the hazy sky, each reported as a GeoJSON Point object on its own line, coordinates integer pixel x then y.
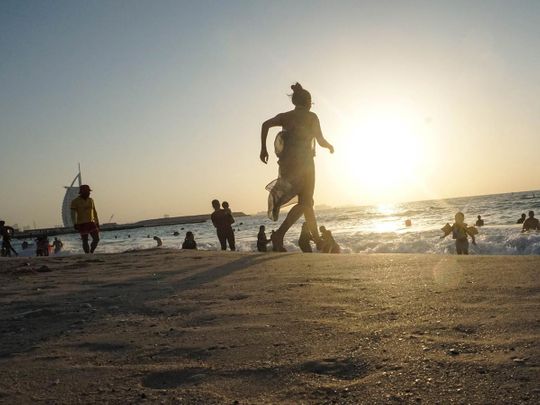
{"type": "Point", "coordinates": [161, 102]}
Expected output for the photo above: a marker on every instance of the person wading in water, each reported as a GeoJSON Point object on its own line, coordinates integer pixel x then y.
{"type": "Point", "coordinates": [295, 148]}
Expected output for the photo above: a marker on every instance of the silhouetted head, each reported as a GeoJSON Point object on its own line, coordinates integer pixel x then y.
{"type": "Point", "coordinates": [479, 217]}
{"type": "Point", "coordinates": [459, 217]}
{"type": "Point", "coordinates": [2, 223]}
{"type": "Point", "coordinates": [262, 228]}
{"type": "Point", "coordinates": [531, 214]}
{"type": "Point", "coordinates": [523, 216]}
{"type": "Point", "coordinates": [215, 204]}
{"type": "Point", "coordinates": [84, 190]}
{"type": "Point", "coordinates": [225, 204]}
{"type": "Point", "coordinates": [189, 235]}
{"type": "Point", "coordinates": [322, 228]}
{"type": "Point", "coordinates": [300, 97]}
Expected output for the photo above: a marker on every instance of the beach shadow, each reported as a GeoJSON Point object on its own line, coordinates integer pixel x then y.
{"type": "Point", "coordinates": [103, 346]}
{"type": "Point", "coordinates": [342, 369]}
{"type": "Point", "coordinates": [39, 319]}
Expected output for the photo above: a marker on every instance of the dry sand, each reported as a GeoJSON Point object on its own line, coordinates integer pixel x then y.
{"type": "Point", "coordinates": [164, 326]}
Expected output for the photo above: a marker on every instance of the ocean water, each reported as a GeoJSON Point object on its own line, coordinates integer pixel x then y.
{"type": "Point", "coordinates": [368, 229]}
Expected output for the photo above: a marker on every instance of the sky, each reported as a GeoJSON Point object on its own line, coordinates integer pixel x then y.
{"type": "Point", "coordinates": [162, 102]}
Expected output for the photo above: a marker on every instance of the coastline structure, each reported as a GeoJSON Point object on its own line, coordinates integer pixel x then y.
{"type": "Point", "coordinates": [72, 191]}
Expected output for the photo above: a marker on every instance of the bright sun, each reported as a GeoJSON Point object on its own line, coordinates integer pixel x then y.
{"type": "Point", "coordinates": [384, 151]}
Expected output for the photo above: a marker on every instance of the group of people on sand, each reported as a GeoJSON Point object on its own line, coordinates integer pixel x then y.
{"type": "Point", "coordinates": [42, 244]}
{"type": "Point", "coordinates": [295, 148]}
{"type": "Point", "coordinates": [327, 243]}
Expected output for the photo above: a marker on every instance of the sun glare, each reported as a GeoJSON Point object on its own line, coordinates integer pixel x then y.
{"type": "Point", "coordinates": [384, 152]}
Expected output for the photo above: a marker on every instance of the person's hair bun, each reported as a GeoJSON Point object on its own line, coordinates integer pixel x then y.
{"type": "Point", "coordinates": [296, 87]}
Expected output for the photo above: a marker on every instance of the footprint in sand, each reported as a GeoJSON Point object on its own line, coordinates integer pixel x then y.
{"type": "Point", "coordinates": [345, 369]}
{"type": "Point", "coordinates": [173, 378]}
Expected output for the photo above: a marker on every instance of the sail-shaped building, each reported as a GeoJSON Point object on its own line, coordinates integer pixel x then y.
{"type": "Point", "coordinates": [72, 191]}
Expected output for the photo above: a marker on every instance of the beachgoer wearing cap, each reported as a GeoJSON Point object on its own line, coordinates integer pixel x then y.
{"type": "Point", "coordinates": [531, 223]}
{"type": "Point", "coordinates": [85, 218]}
{"type": "Point", "coordinates": [7, 232]}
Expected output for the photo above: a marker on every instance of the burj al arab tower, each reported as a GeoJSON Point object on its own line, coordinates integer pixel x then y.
{"type": "Point", "coordinates": [72, 191]}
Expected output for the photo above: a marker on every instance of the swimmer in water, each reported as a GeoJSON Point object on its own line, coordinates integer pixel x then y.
{"type": "Point", "coordinates": [479, 221]}
{"type": "Point", "coordinates": [531, 223]}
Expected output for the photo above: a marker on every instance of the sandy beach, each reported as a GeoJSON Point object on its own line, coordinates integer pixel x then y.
{"type": "Point", "coordinates": [169, 326]}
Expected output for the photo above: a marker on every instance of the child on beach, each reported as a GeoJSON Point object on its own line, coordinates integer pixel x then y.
{"type": "Point", "coordinates": [304, 241]}
{"type": "Point", "coordinates": [58, 245]}
{"type": "Point", "coordinates": [329, 244]}
{"type": "Point", "coordinates": [460, 232]}
{"type": "Point", "coordinates": [262, 241]}
{"type": "Point", "coordinates": [228, 212]}
{"type": "Point", "coordinates": [189, 241]}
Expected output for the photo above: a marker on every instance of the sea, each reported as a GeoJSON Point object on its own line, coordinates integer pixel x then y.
{"type": "Point", "coordinates": [358, 229]}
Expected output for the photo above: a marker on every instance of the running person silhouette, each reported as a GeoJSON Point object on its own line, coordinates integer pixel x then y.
{"type": "Point", "coordinates": [295, 147]}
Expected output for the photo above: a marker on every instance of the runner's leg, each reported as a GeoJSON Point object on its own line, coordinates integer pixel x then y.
{"type": "Point", "coordinates": [222, 239]}
{"type": "Point", "coordinates": [95, 241]}
{"type": "Point", "coordinates": [230, 239]}
{"type": "Point", "coordinates": [85, 246]}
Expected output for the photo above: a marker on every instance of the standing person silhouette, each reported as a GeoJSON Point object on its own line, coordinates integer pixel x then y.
{"type": "Point", "coordinates": [85, 218]}
{"type": "Point", "coordinates": [58, 245]}
{"type": "Point", "coordinates": [531, 223]}
{"type": "Point", "coordinates": [7, 232]}
{"type": "Point", "coordinates": [262, 241]}
{"type": "Point", "coordinates": [295, 148]}
{"type": "Point", "coordinates": [222, 222]}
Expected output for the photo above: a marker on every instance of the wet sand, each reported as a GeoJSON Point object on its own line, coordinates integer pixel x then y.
{"type": "Point", "coordinates": [169, 326]}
